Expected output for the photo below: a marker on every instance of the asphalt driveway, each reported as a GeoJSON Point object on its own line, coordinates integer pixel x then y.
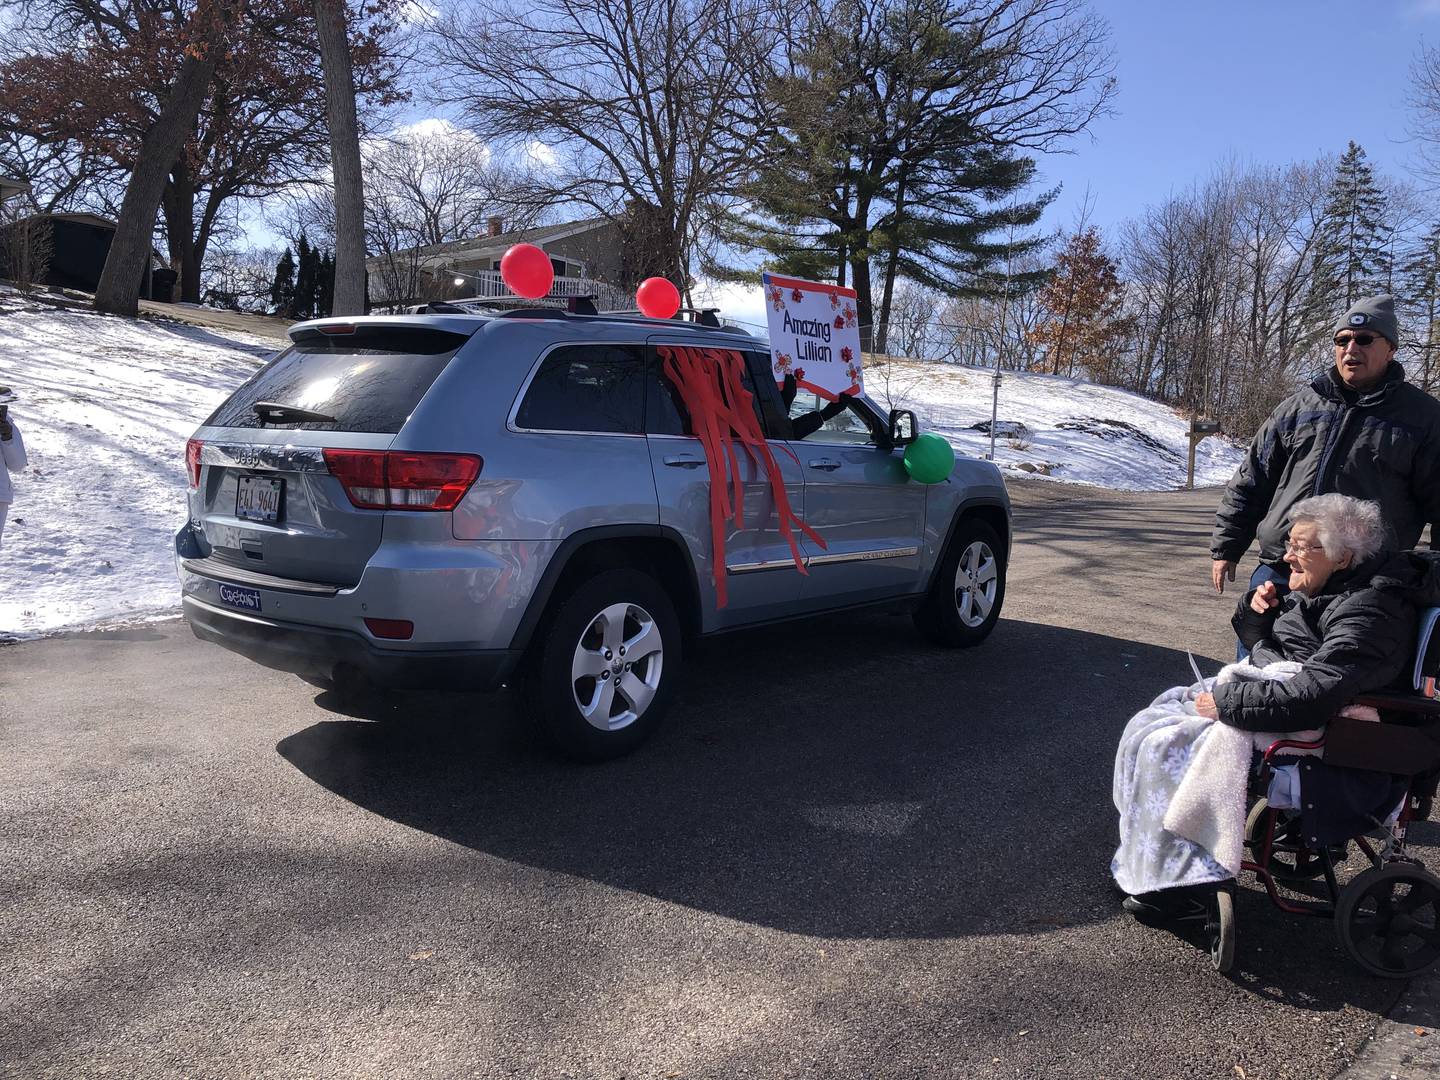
{"type": "Point", "coordinates": [849, 855]}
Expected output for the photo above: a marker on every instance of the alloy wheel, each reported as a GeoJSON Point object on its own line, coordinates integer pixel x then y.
{"type": "Point", "coordinates": [976, 581]}
{"type": "Point", "coordinates": [617, 666]}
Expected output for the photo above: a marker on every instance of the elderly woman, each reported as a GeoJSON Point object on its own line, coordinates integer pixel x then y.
{"type": "Point", "coordinates": [1345, 625]}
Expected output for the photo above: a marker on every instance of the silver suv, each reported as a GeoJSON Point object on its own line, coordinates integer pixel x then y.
{"type": "Point", "coordinates": [471, 500]}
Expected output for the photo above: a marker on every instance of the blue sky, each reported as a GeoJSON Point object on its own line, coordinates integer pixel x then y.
{"type": "Point", "coordinates": [1263, 81]}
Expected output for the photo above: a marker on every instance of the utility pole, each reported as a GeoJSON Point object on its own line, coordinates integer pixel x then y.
{"type": "Point", "coordinates": [1000, 346]}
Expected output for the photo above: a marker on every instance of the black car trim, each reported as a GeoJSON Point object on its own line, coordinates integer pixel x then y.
{"type": "Point", "coordinates": [570, 547]}
{"type": "Point", "coordinates": [219, 570]}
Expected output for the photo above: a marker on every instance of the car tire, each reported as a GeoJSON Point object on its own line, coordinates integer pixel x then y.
{"type": "Point", "coordinates": [965, 598]}
{"type": "Point", "coordinates": [606, 666]}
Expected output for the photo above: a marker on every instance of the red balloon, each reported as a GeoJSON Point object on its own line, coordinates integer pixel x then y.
{"type": "Point", "coordinates": [527, 271]}
{"type": "Point", "coordinates": [657, 298]}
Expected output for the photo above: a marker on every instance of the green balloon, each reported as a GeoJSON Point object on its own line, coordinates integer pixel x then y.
{"type": "Point", "coordinates": [929, 459]}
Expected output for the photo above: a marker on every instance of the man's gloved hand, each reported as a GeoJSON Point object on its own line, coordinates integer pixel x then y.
{"type": "Point", "coordinates": [7, 429]}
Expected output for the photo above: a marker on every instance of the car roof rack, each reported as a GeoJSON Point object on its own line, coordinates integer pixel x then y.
{"type": "Point", "coordinates": [582, 307]}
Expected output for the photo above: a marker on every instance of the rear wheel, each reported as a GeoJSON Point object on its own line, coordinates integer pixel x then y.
{"type": "Point", "coordinates": [1388, 920]}
{"type": "Point", "coordinates": [606, 667]}
{"type": "Point", "coordinates": [964, 602]}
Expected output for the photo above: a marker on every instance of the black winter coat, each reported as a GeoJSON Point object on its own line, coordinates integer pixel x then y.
{"type": "Point", "coordinates": [1384, 445]}
{"type": "Point", "coordinates": [1357, 636]}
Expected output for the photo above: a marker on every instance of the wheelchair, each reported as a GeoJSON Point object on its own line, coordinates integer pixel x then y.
{"type": "Point", "coordinates": [1387, 917]}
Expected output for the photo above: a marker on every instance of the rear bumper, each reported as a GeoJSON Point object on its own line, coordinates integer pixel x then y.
{"type": "Point", "coordinates": [316, 651]}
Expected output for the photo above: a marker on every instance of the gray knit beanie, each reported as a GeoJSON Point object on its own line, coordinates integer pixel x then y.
{"type": "Point", "coordinates": [1376, 314]}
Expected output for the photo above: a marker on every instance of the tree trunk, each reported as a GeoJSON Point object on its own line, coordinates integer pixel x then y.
{"type": "Point", "coordinates": [887, 296]}
{"type": "Point", "coordinates": [178, 206]}
{"type": "Point", "coordinates": [119, 288]}
{"type": "Point", "coordinates": [344, 158]}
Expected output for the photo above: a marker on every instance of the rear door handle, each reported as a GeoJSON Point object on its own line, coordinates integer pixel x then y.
{"type": "Point", "coordinates": [683, 461]}
{"type": "Point", "coordinates": [828, 464]}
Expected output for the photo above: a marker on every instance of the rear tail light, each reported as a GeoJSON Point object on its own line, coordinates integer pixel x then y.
{"type": "Point", "coordinates": [403, 479]}
{"type": "Point", "coordinates": [192, 462]}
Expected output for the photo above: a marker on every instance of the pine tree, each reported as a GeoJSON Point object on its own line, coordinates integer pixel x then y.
{"type": "Point", "coordinates": [325, 289]}
{"type": "Point", "coordinates": [306, 279]}
{"type": "Point", "coordinates": [899, 146]}
{"type": "Point", "coordinates": [1420, 285]}
{"type": "Point", "coordinates": [1353, 258]}
{"type": "Point", "coordinates": [1081, 321]}
{"type": "Point", "coordinates": [282, 291]}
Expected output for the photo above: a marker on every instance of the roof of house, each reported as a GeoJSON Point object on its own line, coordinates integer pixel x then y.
{"type": "Point", "coordinates": [10, 185]}
{"type": "Point", "coordinates": [539, 236]}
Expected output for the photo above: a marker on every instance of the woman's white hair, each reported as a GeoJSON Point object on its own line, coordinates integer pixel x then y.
{"type": "Point", "coordinates": [1343, 524]}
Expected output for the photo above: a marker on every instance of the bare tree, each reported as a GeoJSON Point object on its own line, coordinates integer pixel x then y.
{"type": "Point", "coordinates": [1424, 101]}
{"type": "Point", "coordinates": [651, 108]}
{"type": "Point", "coordinates": [119, 289]}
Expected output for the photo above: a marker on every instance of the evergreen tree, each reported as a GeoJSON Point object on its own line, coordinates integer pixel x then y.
{"type": "Point", "coordinates": [899, 143]}
{"type": "Point", "coordinates": [1420, 285]}
{"type": "Point", "coordinates": [1353, 257]}
{"type": "Point", "coordinates": [325, 290]}
{"type": "Point", "coordinates": [307, 273]}
{"type": "Point", "coordinates": [282, 290]}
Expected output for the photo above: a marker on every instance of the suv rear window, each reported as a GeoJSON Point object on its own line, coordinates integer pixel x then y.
{"type": "Point", "coordinates": [370, 380]}
{"type": "Point", "coordinates": [586, 388]}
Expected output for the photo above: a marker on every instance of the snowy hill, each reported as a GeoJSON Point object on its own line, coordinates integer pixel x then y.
{"type": "Point", "coordinates": [1062, 428]}
{"type": "Point", "coordinates": [106, 404]}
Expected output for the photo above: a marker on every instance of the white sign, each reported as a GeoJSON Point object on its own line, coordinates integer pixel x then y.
{"type": "Point", "coordinates": [814, 334]}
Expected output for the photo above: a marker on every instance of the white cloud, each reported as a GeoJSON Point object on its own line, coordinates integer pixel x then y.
{"type": "Point", "coordinates": [744, 304]}
{"type": "Point", "coordinates": [541, 154]}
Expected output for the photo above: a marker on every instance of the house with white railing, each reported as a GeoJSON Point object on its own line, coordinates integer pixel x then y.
{"type": "Point", "coordinates": [584, 254]}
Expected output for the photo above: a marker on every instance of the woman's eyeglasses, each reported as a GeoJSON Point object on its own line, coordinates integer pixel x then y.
{"type": "Point", "coordinates": [1302, 548]}
{"type": "Point", "coordinates": [1363, 340]}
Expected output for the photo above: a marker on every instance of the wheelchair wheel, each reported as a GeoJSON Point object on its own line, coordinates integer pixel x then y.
{"type": "Point", "coordinates": [1287, 860]}
{"type": "Point", "coordinates": [1222, 930]}
{"type": "Point", "coordinates": [1255, 822]}
{"type": "Point", "coordinates": [1388, 920]}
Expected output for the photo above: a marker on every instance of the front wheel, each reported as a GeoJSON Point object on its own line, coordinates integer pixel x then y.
{"type": "Point", "coordinates": [606, 667]}
{"type": "Point", "coordinates": [964, 602]}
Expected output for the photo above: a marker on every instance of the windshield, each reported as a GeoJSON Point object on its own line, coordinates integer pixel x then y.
{"type": "Point", "coordinates": [367, 381]}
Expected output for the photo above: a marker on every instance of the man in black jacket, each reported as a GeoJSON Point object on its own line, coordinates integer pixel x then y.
{"type": "Point", "coordinates": [1359, 429]}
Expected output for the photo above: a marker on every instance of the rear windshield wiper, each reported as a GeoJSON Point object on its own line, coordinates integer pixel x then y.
{"type": "Point", "coordinates": [271, 412]}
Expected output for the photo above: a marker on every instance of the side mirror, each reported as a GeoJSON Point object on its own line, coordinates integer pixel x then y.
{"type": "Point", "coordinates": [903, 428]}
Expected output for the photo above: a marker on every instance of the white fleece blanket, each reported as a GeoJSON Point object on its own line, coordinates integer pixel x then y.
{"type": "Point", "coordinates": [1180, 782]}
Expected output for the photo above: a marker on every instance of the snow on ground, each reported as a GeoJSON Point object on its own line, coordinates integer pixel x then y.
{"type": "Point", "coordinates": [1078, 431]}
{"type": "Point", "coordinates": [105, 406]}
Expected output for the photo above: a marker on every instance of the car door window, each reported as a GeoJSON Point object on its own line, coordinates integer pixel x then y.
{"type": "Point", "coordinates": [586, 388]}
{"type": "Point", "coordinates": [665, 412]}
{"type": "Point", "coordinates": [846, 428]}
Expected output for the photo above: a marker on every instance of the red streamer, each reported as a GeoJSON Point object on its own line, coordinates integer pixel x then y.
{"type": "Point", "coordinates": [721, 411]}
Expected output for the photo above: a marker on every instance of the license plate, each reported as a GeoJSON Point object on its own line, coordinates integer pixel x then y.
{"type": "Point", "coordinates": [235, 596]}
{"type": "Point", "coordinates": [259, 498]}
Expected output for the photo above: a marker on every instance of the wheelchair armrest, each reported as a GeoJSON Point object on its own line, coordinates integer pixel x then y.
{"type": "Point", "coordinates": [1418, 704]}
{"type": "Point", "coordinates": [1391, 748]}
{"type": "Point", "coordinates": [1291, 744]}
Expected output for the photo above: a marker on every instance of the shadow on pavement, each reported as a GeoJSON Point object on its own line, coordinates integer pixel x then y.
{"type": "Point", "coordinates": [884, 790]}
{"type": "Point", "coordinates": [869, 788]}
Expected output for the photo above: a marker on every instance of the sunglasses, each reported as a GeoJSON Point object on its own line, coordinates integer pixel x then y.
{"type": "Point", "coordinates": [1363, 340]}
